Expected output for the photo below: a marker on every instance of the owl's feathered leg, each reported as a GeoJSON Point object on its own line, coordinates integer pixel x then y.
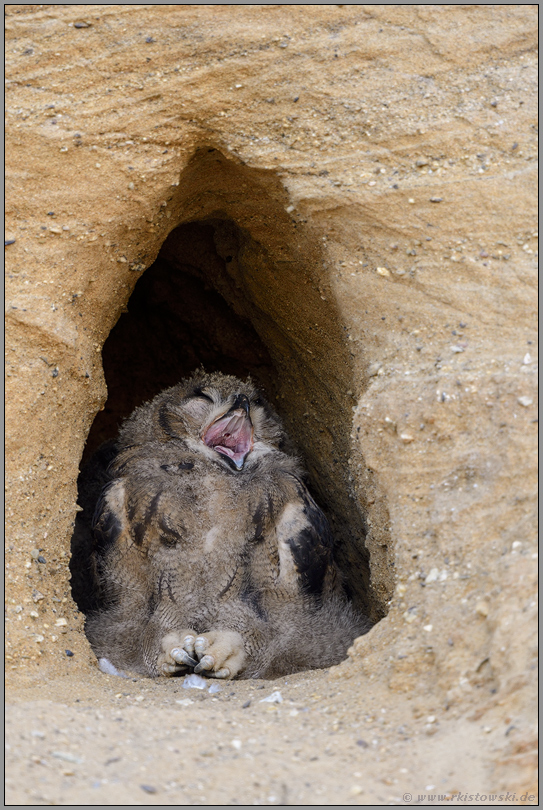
{"type": "Point", "coordinates": [177, 653]}
{"type": "Point", "coordinates": [221, 653]}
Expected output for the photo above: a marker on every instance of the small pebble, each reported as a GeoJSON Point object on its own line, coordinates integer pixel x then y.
{"type": "Point", "coordinates": [525, 401]}
{"type": "Point", "coordinates": [373, 369]}
{"type": "Point", "coordinates": [432, 576]}
{"type": "Point", "coordinates": [246, 704]}
{"type": "Point", "coordinates": [82, 24]}
{"type": "Point", "coordinates": [105, 666]}
{"type": "Point", "coordinates": [275, 697]}
{"type": "Point", "coordinates": [407, 438]}
{"type": "Point", "coordinates": [482, 609]}
{"type": "Point", "coordinates": [382, 271]}
{"type": "Point", "coordinates": [236, 744]}
{"type": "Point", "coordinates": [66, 756]}
{"type": "Point", "coordinates": [428, 628]}
{"type": "Point", "coordinates": [69, 653]}
{"type": "Point", "coordinates": [436, 199]}
{"type": "Point", "coordinates": [527, 359]}
{"type": "Point", "coordinates": [8, 242]}
{"type": "Point", "coordinates": [193, 681]}
{"type": "Point", "coordinates": [148, 788]}
{"type": "Point", "coordinates": [457, 349]}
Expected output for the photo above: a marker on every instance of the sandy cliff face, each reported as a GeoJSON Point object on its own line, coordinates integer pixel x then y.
{"type": "Point", "coordinates": [339, 200]}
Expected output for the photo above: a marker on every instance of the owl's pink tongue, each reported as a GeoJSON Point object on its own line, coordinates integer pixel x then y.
{"type": "Point", "coordinates": [232, 435]}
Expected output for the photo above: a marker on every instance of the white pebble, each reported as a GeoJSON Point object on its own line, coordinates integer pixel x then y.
{"type": "Point", "coordinates": [382, 271]}
{"type": "Point", "coordinates": [527, 359]}
{"type": "Point", "coordinates": [275, 697]}
{"type": "Point", "coordinates": [66, 756]}
{"type": "Point", "coordinates": [525, 401]}
{"type": "Point", "coordinates": [193, 681]}
{"type": "Point", "coordinates": [105, 666]}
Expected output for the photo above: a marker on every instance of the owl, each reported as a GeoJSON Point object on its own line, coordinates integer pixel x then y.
{"type": "Point", "coordinates": [199, 548]}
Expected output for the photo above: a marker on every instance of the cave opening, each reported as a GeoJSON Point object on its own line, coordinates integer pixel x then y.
{"type": "Point", "coordinates": [239, 286]}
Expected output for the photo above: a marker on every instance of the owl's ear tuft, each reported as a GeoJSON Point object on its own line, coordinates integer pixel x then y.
{"type": "Point", "coordinates": [171, 423]}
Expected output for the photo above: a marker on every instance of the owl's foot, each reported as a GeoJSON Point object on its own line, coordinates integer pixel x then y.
{"type": "Point", "coordinates": [177, 653]}
{"type": "Point", "coordinates": [220, 653]}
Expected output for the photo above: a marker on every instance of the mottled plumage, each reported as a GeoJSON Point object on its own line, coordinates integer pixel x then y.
{"type": "Point", "coordinates": [199, 546]}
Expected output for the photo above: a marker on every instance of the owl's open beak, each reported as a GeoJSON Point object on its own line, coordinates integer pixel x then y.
{"type": "Point", "coordinates": [232, 434]}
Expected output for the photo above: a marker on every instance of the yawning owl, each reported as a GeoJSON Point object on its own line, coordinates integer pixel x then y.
{"type": "Point", "coordinates": [199, 547]}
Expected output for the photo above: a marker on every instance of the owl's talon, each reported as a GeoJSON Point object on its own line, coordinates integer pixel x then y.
{"type": "Point", "coordinates": [182, 657]}
{"type": "Point", "coordinates": [221, 673]}
{"type": "Point", "coordinates": [170, 669]}
{"type": "Point", "coordinates": [188, 644]}
{"type": "Point", "coordinates": [174, 657]}
{"type": "Point", "coordinates": [200, 645]}
{"type": "Point", "coordinates": [206, 663]}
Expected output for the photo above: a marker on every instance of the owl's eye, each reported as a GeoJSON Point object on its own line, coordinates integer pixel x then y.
{"type": "Point", "coordinates": [258, 401]}
{"type": "Point", "coordinates": [199, 393]}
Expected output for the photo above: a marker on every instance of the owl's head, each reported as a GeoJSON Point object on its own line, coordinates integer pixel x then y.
{"type": "Point", "coordinates": [213, 414]}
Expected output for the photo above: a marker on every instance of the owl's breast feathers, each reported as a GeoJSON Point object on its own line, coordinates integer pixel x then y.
{"type": "Point", "coordinates": [174, 507]}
